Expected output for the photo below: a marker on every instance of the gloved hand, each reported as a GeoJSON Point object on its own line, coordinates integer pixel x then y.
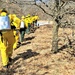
{"type": "Point", "coordinates": [13, 27]}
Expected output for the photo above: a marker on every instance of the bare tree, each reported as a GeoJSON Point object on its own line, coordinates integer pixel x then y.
{"type": "Point", "coordinates": [57, 13]}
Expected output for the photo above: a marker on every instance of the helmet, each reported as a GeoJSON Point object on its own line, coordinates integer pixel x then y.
{"type": "Point", "coordinates": [3, 14]}
{"type": "Point", "coordinates": [28, 15]}
{"type": "Point", "coordinates": [22, 17]}
{"type": "Point", "coordinates": [14, 15]}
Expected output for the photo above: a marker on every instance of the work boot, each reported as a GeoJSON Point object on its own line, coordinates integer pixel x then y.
{"type": "Point", "coordinates": [10, 60]}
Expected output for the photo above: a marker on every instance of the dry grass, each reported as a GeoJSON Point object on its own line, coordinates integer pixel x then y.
{"type": "Point", "coordinates": [34, 56]}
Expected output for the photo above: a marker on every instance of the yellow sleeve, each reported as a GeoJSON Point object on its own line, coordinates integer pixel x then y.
{"type": "Point", "coordinates": [16, 22]}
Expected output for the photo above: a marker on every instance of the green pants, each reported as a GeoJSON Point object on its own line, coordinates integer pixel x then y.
{"type": "Point", "coordinates": [28, 29]}
{"type": "Point", "coordinates": [22, 33]}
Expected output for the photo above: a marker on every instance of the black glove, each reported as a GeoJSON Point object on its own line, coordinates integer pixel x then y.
{"type": "Point", "coordinates": [13, 27]}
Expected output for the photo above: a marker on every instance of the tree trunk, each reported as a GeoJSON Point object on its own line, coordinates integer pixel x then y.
{"type": "Point", "coordinates": [55, 38]}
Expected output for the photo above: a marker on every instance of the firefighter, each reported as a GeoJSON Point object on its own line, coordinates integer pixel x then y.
{"type": "Point", "coordinates": [6, 40]}
{"type": "Point", "coordinates": [22, 29]}
{"type": "Point", "coordinates": [16, 25]}
{"type": "Point", "coordinates": [36, 18]}
{"type": "Point", "coordinates": [28, 23]}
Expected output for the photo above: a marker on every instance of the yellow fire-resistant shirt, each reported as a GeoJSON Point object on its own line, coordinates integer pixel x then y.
{"type": "Point", "coordinates": [16, 22]}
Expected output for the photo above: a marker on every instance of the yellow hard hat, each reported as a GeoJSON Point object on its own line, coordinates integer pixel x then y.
{"type": "Point", "coordinates": [14, 15]}
{"type": "Point", "coordinates": [3, 14]}
{"type": "Point", "coordinates": [28, 15]}
{"type": "Point", "coordinates": [22, 17]}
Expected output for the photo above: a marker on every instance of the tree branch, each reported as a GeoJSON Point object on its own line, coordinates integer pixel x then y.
{"type": "Point", "coordinates": [45, 11]}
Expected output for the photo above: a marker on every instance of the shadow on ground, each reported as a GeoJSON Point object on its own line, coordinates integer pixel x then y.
{"type": "Point", "coordinates": [17, 65]}
{"type": "Point", "coordinates": [29, 38]}
{"type": "Point", "coordinates": [26, 55]}
{"type": "Point", "coordinates": [25, 43]}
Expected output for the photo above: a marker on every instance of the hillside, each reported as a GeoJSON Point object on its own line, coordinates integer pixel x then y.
{"type": "Point", "coordinates": [34, 57]}
{"type": "Point", "coordinates": [24, 7]}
